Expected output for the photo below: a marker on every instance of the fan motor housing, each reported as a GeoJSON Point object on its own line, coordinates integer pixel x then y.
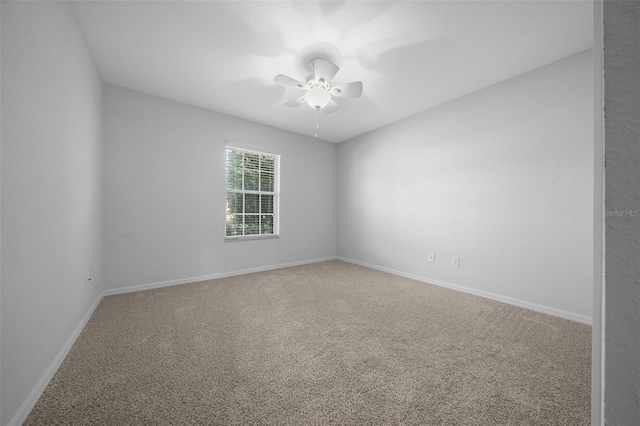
{"type": "Point", "coordinates": [320, 82]}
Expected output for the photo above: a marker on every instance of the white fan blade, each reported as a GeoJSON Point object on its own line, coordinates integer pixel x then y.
{"type": "Point", "coordinates": [347, 90]}
{"type": "Point", "coordinates": [288, 81]}
{"type": "Point", "coordinates": [331, 107]}
{"type": "Point", "coordinates": [323, 69]}
{"type": "Point", "coordinates": [295, 102]}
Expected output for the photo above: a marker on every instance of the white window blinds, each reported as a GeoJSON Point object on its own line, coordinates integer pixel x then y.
{"type": "Point", "coordinates": [252, 194]}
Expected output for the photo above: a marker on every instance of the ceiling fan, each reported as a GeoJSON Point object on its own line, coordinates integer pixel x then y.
{"type": "Point", "coordinates": [319, 88]}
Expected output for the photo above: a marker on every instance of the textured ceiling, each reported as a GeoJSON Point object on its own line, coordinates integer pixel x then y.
{"type": "Point", "coordinates": [411, 56]}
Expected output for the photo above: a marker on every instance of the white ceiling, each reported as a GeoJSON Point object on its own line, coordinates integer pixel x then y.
{"type": "Point", "coordinates": [410, 56]}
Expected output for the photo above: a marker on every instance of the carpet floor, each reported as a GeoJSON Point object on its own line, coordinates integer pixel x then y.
{"type": "Point", "coordinates": [329, 343]}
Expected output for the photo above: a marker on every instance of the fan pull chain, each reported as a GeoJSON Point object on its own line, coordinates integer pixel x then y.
{"type": "Point", "coordinates": [317, 122]}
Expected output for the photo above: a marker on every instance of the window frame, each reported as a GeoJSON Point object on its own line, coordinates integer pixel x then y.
{"type": "Point", "coordinates": [259, 192]}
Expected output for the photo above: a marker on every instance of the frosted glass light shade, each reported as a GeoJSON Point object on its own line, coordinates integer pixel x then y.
{"type": "Point", "coordinates": [317, 97]}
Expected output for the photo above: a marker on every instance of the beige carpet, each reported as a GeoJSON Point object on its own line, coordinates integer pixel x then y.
{"type": "Point", "coordinates": [323, 344]}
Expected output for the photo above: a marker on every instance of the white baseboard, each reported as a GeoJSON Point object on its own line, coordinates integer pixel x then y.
{"type": "Point", "coordinates": [27, 405]}
{"type": "Point", "coordinates": [161, 284]}
{"type": "Point", "coordinates": [509, 300]}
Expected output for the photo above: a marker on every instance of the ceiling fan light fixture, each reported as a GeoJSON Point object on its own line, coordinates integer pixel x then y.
{"type": "Point", "coordinates": [318, 97]}
{"type": "Point", "coordinates": [319, 88]}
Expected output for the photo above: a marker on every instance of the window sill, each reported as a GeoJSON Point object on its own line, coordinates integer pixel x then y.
{"type": "Point", "coordinates": [251, 238]}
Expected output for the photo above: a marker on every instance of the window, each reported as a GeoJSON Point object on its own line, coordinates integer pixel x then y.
{"type": "Point", "coordinates": [252, 194]}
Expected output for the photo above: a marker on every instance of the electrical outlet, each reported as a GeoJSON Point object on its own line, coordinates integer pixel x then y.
{"type": "Point", "coordinates": [432, 257]}
{"type": "Point", "coordinates": [306, 244]}
{"type": "Point", "coordinates": [455, 261]}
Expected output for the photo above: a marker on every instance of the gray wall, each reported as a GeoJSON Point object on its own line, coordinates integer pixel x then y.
{"type": "Point", "coordinates": [622, 211]}
{"type": "Point", "coordinates": [164, 193]}
{"type": "Point", "coordinates": [502, 178]}
{"type": "Point", "coordinates": [51, 190]}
